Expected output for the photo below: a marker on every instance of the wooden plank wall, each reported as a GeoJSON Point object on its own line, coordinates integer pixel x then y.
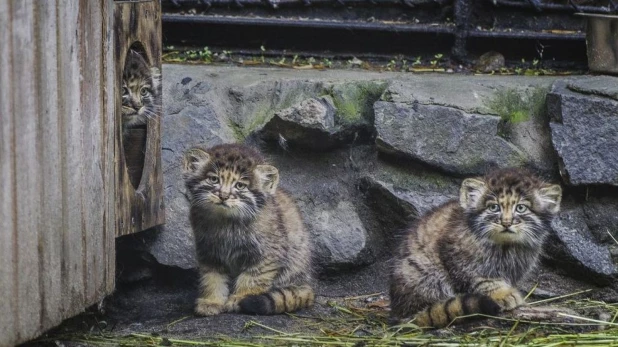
{"type": "Point", "coordinates": [142, 208]}
{"type": "Point", "coordinates": [57, 218]}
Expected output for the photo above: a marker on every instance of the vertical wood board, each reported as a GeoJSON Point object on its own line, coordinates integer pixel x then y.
{"type": "Point", "coordinates": [57, 190]}
{"type": "Point", "coordinates": [141, 208]}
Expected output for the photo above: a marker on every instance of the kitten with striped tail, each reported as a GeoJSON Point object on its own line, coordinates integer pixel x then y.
{"type": "Point", "coordinates": [467, 256]}
{"type": "Point", "coordinates": [253, 251]}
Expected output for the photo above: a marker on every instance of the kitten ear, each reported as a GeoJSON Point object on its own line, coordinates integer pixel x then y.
{"type": "Point", "coordinates": [268, 176]}
{"type": "Point", "coordinates": [549, 198]}
{"type": "Point", "coordinates": [194, 159]}
{"type": "Point", "coordinates": [470, 194]}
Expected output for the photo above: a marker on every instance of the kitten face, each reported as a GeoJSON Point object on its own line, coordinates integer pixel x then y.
{"type": "Point", "coordinates": [229, 181]}
{"type": "Point", "coordinates": [510, 207]}
{"type": "Point", "coordinates": [140, 91]}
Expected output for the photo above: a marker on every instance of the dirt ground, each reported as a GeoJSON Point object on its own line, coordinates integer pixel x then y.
{"type": "Point", "coordinates": [160, 312]}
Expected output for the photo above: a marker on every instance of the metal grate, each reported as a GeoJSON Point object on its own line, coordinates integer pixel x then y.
{"type": "Point", "coordinates": [465, 28]}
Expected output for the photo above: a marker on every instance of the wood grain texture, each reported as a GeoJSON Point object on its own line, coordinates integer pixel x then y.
{"type": "Point", "coordinates": [141, 208]}
{"type": "Point", "coordinates": [49, 148]}
{"type": "Point", "coordinates": [7, 183]}
{"type": "Point", "coordinates": [27, 169]}
{"type": "Point", "coordinates": [92, 183]}
{"type": "Point", "coordinates": [109, 142]}
{"type": "Point", "coordinates": [73, 270]}
{"type": "Point", "coordinates": [57, 164]}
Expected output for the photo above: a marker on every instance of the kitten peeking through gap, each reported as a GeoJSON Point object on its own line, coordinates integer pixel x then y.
{"type": "Point", "coordinates": [141, 91]}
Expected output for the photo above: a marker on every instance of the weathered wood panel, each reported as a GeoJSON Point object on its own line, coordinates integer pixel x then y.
{"type": "Point", "coordinates": [7, 183]}
{"type": "Point", "coordinates": [27, 177]}
{"type": "Point", "coordinates": [49, 127]}
{"type": "Point", "coordinates": [109, 136]}
{"type": "Point", "coordinates": [70, 108]}
{"type": "Point", "coordinates": [57, 178]}
{"type": "Point", "coordinates": [141, 208]}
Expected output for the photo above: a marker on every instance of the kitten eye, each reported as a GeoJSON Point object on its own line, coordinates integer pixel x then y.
{"type": "Point", "coordinates": [493, 208]}
{"type": "Point", "coordinates": [125, 91]}
{"type": "Point", "coordinates": [213, 179]}
{"type": "Point", "coordinates": [240, 185]}
{"type": "Point", "coordinates": [144, 91]}
{"type": "Point", "coordinates": [521, 208]}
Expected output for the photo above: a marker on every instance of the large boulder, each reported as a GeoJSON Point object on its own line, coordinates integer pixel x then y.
{"type": "Point", "coordinates": [466, 126]}
{"type": "Point", "coordinates": [445, 138]}
{"type": "Point", "coordinates": [337, 114]}
{"type": "Point", "coordinates": [584, 129]}
{"type": "Point", "coordinates": [310, 124]}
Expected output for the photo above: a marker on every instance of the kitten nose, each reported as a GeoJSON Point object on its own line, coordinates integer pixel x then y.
{"type": "Point", "coordinates": [224, 195]}
{"type": "Point", "coordinates": [507, 223]}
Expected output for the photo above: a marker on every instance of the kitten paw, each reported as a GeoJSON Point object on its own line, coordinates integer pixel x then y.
{"type": "Point", "coordinates": [205, 307]}
{"type": "Point", "coordinates": [507, 298]}
{"type": "Point", "coordinates": [233, 303]}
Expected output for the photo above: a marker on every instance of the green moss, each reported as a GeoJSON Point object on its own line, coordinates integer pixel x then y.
{"type": "Point", "coordinates": [237, 130]}
{"type": "Point", "coordinates": [259, 118]}
{"type": "Point", "coordinates": [354, 101]}
{"type": "Point", "coordinates": [515, 106]}
{"type": "Point", "coordinates": [290, 99]}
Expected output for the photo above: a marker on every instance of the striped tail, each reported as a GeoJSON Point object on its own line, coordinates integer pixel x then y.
{"type": "Point", "coordinates": [278, 300]}
{"type": "Point", "coordinates": [443, 313]}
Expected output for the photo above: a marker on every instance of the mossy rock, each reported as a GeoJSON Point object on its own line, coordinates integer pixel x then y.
{"type": "Point", "coordinates": [354, 101]}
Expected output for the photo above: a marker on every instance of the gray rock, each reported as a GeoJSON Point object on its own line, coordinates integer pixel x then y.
{"type": "Point", "coordinates": [519, 103]}
{"type": "Point", "coordinates": [252, 104]}
{"type": "Point", "coordinates": [342, 113]}
{"type": "Point", "coordinates": [596, 85]}
{"type": "Point", "coordinates": [324, 187]}
{"type": "Point", "coordinates": [354, 102]}
{"type": "Point", "coordinates": [445, 138]}
{"type": "Point", "coordinates": [584, 130]}
{"type": "Point", "coordinates": [311, 113]}
{"type": "Point", "coordinates": [601, 216]}
{"type": "Point", "coordinates": [574, 249]}
{"type": "Point", "coordinates": [524, 122]}
{"type": "Point", "coordinates": [309, 124]}
{"type": "Point", "coordinates": [457, 91]}
{"type": "Point", "coordinates": [338, 233]}
{"type": "Point", "coordinates": [399, 193]}
{"type": "Point", "coordinates": [409, 203]}
{"type": "Point", "coordinates": [533, 138]}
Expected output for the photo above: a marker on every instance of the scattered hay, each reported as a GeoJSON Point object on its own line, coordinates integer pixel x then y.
{"type": "Point", "coordinates": [363, 321]}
